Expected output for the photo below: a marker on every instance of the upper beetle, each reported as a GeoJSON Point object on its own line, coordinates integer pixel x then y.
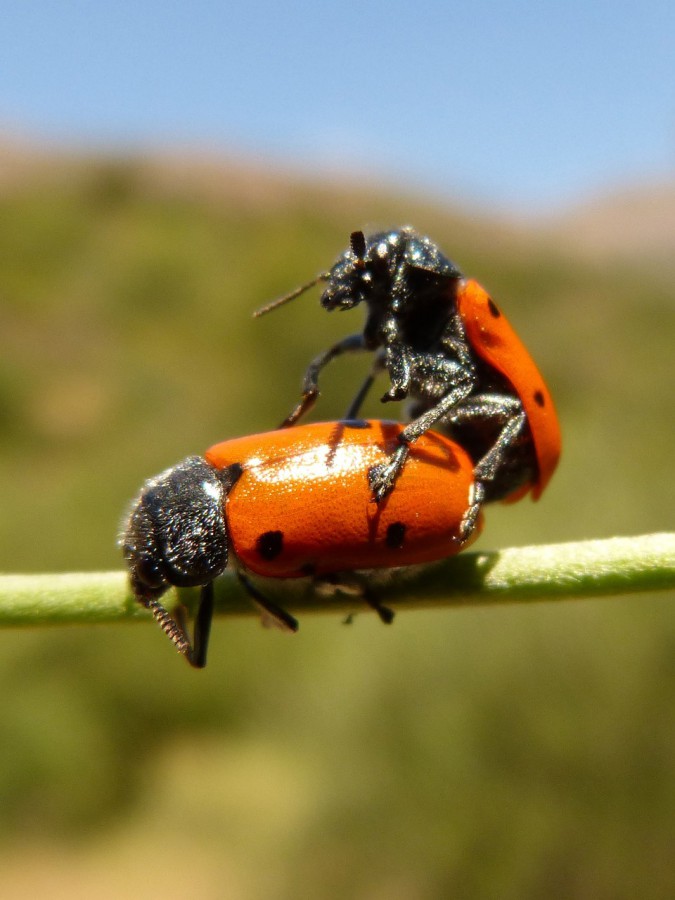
{"type": "Point", "coordinates": [448, 349]}
{"type": "Point", "coordinates": [290, 504]}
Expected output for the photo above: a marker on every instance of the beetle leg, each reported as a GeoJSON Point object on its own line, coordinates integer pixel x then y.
{"type": "Point", "coordinates": [310, 386]}
{"type": "Point", "coordinates": [396, 359]}
{"type": "Point", "coordinates": [488, 466]}
{"type": "Point", "coordinates": [362, 393]}
{"type": "Point", "coordinates": [398, 367]}
{"type": "Point", "coordinates": [384, 612]}
{"type": "Point", "coordinates": [202, 629]}
{"type": "Point", "coordinates": [495, 406]}
{"type": "Point", "coordinates": [383, 477]}
{"type": "Point", "coordinates": [282, 619]}
{"type": "Point", "coordinates": [351, 584]}
{"type": "Point", "coordinates": [356, 404]}
{"type": "Point", "coordinates": [470, 517]}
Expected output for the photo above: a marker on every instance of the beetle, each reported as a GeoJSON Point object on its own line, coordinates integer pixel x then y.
{"type": "Point", "coordinates": [293, 503]}
{"type": "Point", "coordinates": [449, 351]}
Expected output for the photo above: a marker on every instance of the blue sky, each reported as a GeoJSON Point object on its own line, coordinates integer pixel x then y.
{"type": "Point", "coordinates": [516, 105]}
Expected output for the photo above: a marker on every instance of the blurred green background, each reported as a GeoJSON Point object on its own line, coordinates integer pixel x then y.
{"type": "Point", "coordinates": [510, 752]}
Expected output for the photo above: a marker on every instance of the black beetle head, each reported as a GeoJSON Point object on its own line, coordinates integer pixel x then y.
{"type": "Point", "coordinates": [176, 532]}
{"type": "Point", "coordinates": [357, 275]}
{"type": "Point", "coordinates": [386, 270]}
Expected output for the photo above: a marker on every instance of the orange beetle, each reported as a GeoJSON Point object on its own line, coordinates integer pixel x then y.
{"type": "Point", "coordinates": [450, 352]}
{"type": "Point", "coordinates": [290, 504]}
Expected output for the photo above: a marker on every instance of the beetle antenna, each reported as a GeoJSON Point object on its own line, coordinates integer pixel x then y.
{"type": "Point", "coordinates": [324, 276]}
{"type": "Point", "coordinates": [357, 243]}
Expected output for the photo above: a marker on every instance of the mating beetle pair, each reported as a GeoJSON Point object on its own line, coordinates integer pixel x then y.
{"type": "Point", "coordinates": [325, 500]}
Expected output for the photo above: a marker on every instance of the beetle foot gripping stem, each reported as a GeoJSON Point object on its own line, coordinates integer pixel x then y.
{"type": "Point", "coordinates": [470, 518]}
{"type": "Point", "coordinates": [385, 614]}
{"type": "Point", "coordinates": [353, 585]}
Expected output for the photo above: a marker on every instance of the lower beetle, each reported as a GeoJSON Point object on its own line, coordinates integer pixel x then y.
{"type": "Point", "coordinates": [293, 503]}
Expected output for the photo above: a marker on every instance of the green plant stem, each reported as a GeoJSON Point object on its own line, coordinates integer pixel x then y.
{"type": "Point", "coordinates": [602, 568]}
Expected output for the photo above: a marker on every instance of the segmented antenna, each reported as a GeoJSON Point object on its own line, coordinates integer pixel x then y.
{"type": "Point", "coordinates": [324, 276]}
{"type": "Point", "coordinates": [169, 626]}
{"type": "Point", "coordinates": [357, 244]}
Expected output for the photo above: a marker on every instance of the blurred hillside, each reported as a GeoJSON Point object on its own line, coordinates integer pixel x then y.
{"type": "Point", "coordinates": [508, 753]}
{"type": "Point", "coordinates": [636, 224]}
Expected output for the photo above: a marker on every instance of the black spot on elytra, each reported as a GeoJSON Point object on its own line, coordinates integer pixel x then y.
{"type": "Point", "coordinates": [270, 544]}
{"type": "Point", "coordinates": [494, 309]}
{"type": "Point", "coordinates": [395, 535]}
{"type": "Point", "coordinates": [539, 398]}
